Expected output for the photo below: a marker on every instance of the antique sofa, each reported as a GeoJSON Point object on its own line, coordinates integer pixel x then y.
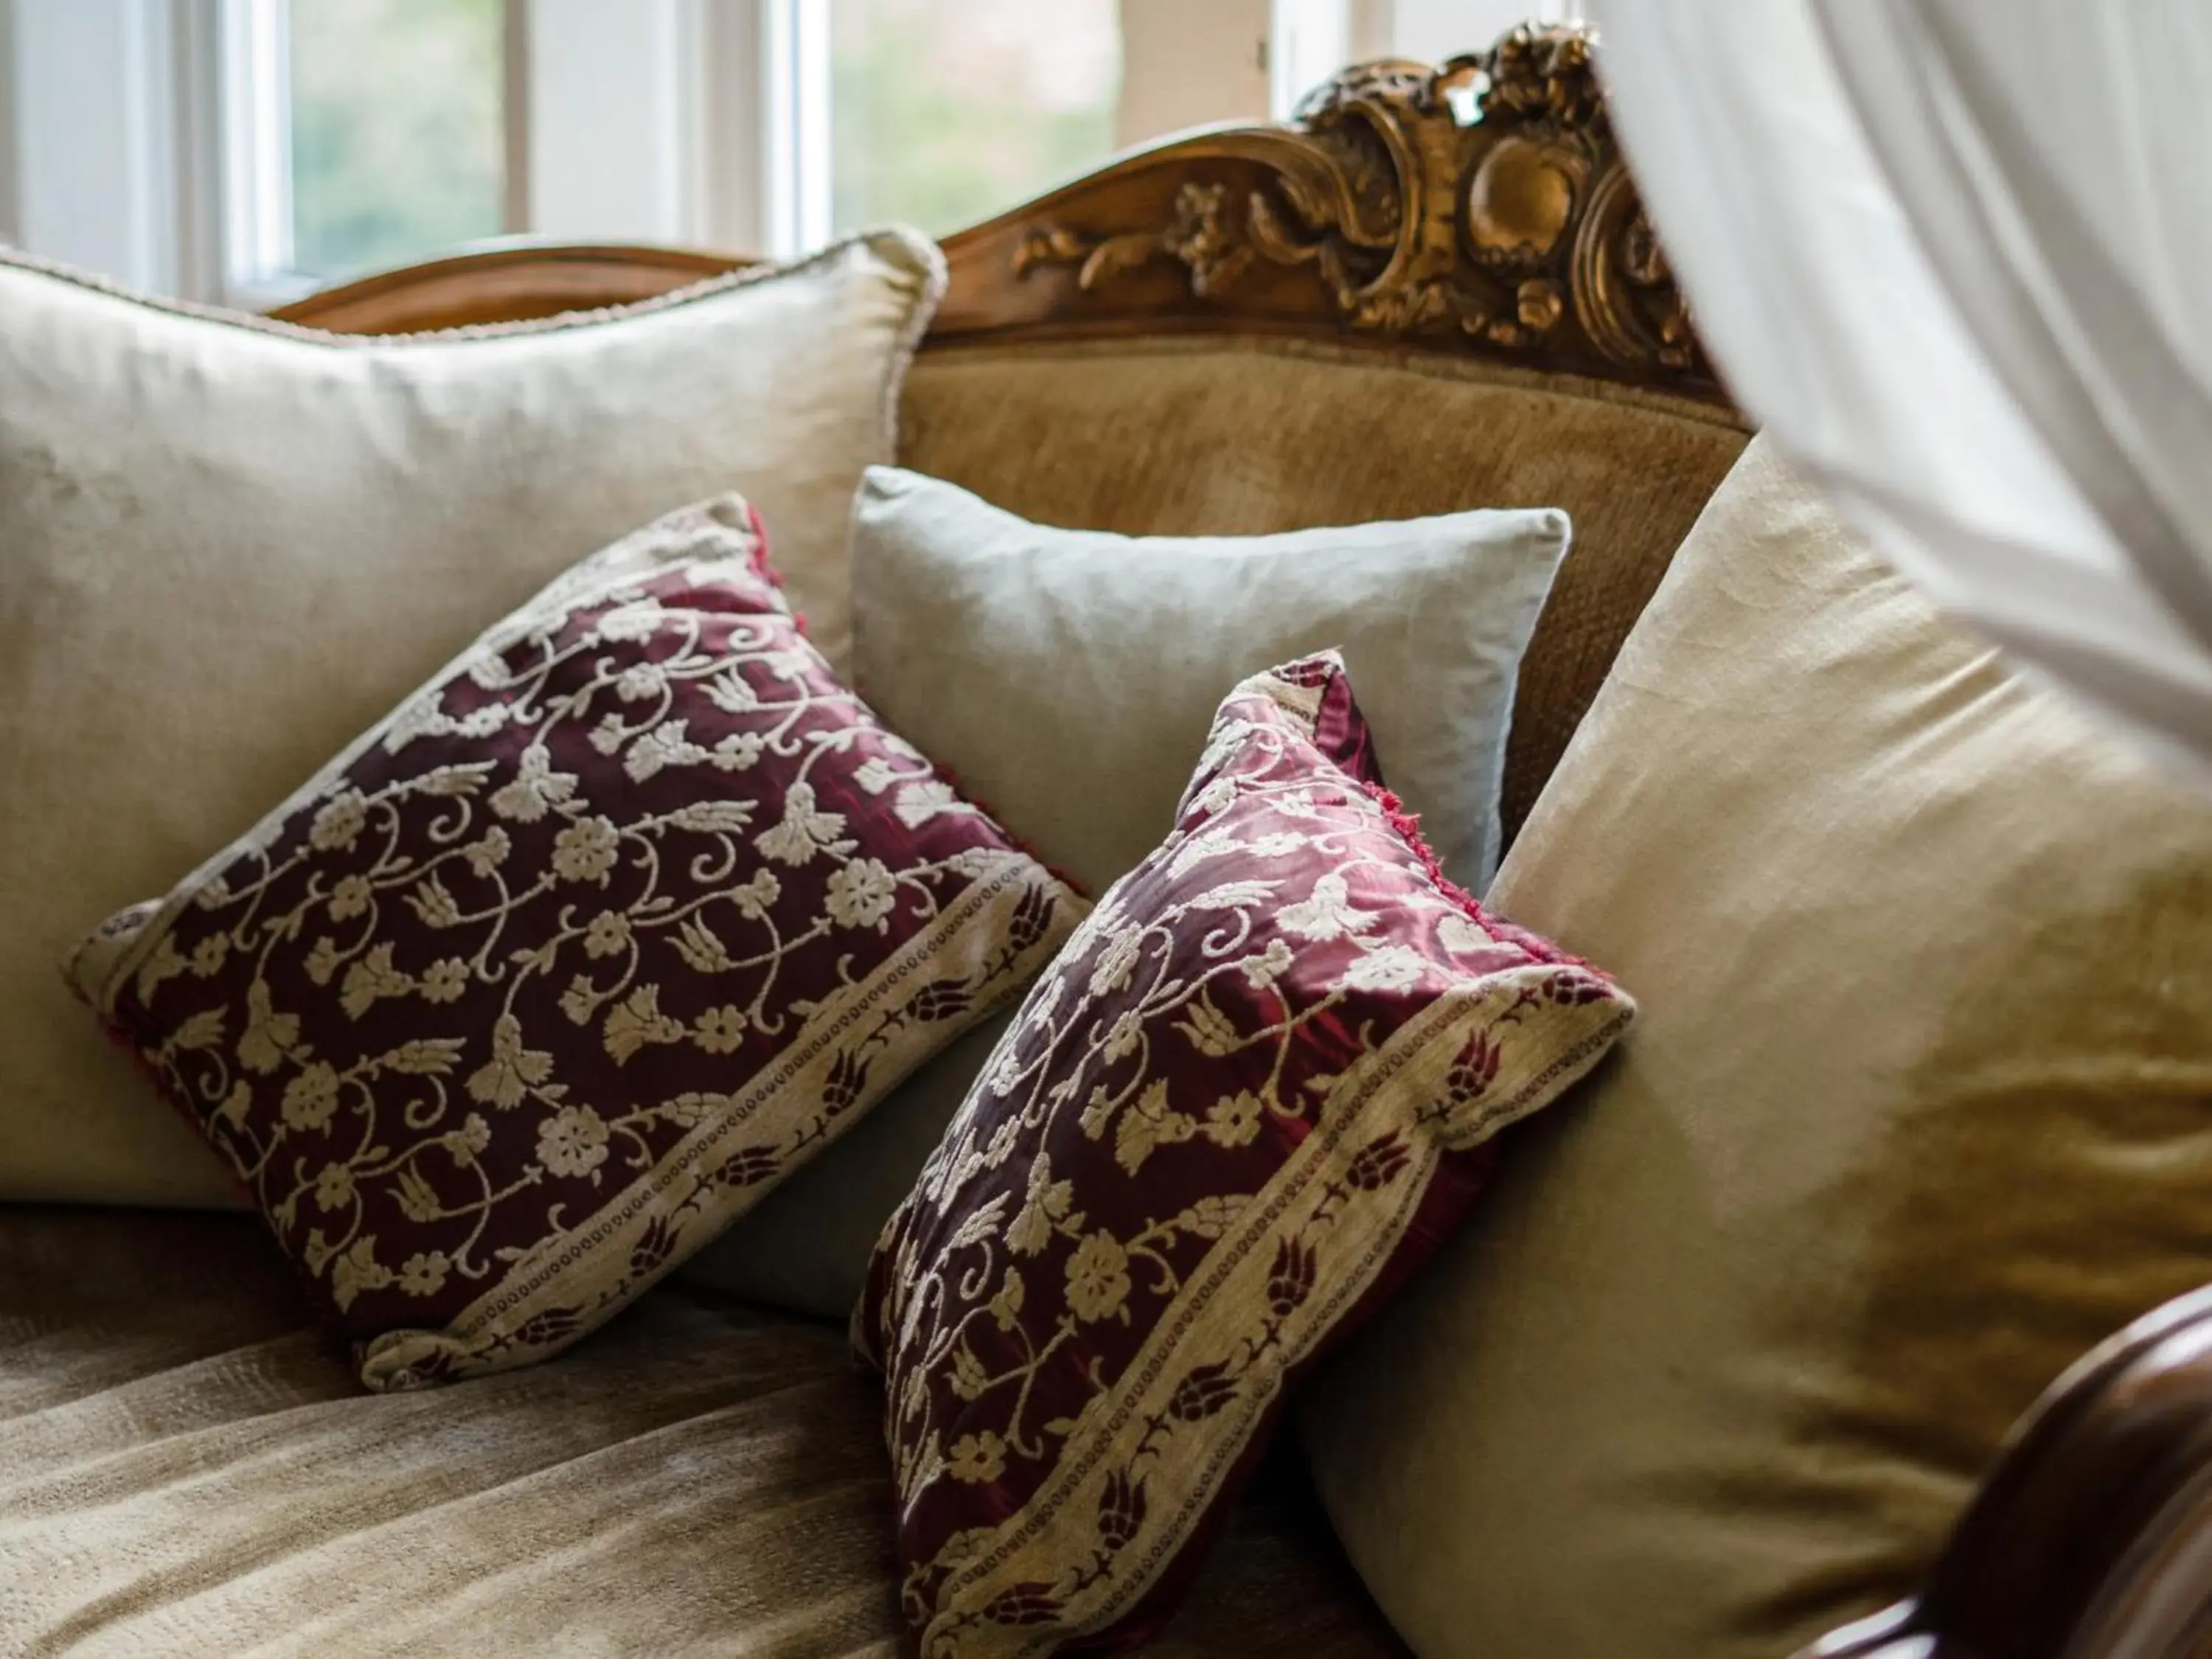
{"type": "Point", "coordinates": [1374, 312]}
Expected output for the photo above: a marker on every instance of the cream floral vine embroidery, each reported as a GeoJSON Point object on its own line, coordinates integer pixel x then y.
{"type": "Point", "coordinates": [645, 820]}
{"type": "Point", "coordinates": [1214, 1118]}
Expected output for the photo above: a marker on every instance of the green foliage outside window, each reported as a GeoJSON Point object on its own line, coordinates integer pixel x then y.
{"type": "Point", "coordinates": [397, 148]}
{"type": "Point", "coordinates": [945, 111]}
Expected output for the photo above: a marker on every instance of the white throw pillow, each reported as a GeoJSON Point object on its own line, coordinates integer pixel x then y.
{"type": "Point", "coordinates": [1069, 676]}
{"type": "Point", "coordinates": [193, 504]}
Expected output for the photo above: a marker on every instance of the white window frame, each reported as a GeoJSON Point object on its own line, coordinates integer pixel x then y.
{"type": "Point", "coordinates": [252, 100]}
{"type": "Point", "coordinates": [1307, 42]}
{"type": "Point", "coordinates": [796, 134]}
{"type": "Point", "coordinates": [161, 154]}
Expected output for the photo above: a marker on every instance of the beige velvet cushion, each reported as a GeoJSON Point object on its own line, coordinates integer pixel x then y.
{"type": "Point", "coordinates": [1245, 437]}
{"type": "Point", "coordinates": [188, 1469]}
{"type": "Point", "coordinates": [1917, 1110]}
{"type": "Point", "coordinates": [192, 507]}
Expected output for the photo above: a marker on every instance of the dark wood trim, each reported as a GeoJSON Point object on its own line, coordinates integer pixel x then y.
{"type": "Point", "coordinates": [2092, 1537]}
{"type": "Point", "coordinates": [505, 282]}
{"type": "Point", "coordinates": [1378, 215]}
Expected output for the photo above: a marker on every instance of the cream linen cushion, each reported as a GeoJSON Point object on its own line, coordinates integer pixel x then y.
{"type": "Point", "coordinates": [191, 506]}
{"type": "Point", "coordinates": [1916, 1111]}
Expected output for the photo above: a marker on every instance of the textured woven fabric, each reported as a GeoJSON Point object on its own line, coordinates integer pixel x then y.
{"type": "Point", "coordinates": [1253, 1092]}
{"type": "Point", "coordinates": [1220, 437]}
{"type": "Point", "coordinates": [185, 1469]}
{"type": "Point", "coordinates": [1915, 1112]}
{"type": "Point", "coordinates": [226, 546]}
{"type": "Point", "coordinates": [559, 967]}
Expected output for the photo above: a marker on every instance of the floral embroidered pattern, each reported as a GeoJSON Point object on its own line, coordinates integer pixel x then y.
{"type": "Point", "coordinates": [1255, 1088]}
{"type": "Point", "coordinates": [558, 969]}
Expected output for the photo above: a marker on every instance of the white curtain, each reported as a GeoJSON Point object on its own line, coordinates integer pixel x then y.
{"type": "Point", "coordinates": [1956, 256]}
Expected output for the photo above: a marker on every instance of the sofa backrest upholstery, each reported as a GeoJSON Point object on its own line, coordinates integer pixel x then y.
{"type": "Point", "coordinates": [1247, 435]}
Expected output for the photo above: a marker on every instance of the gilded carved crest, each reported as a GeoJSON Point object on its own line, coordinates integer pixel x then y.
{"type": "Point", "coordinates": [1480, 203]}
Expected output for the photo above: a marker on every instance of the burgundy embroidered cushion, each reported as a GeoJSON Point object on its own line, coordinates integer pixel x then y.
{"type": "Point", "coordinates": [555, 970]}
{"type": "Point", "coordinates": [1251, 1094]}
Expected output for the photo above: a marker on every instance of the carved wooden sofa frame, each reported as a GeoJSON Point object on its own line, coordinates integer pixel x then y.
{"type": "Point", "coordinates": [1382, 216]}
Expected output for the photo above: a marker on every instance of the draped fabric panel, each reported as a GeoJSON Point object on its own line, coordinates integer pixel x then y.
{"type": "Point", "coordinates": [1952, 256]}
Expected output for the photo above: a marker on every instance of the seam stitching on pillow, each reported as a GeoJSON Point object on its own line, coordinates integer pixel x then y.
{"type": "Point", "coordinates": [929, 258]}
{"type": "Point", "coordinates": [936, 277]}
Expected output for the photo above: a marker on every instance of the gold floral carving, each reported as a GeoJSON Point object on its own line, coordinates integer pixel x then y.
{"type": "Point", "coordinates": [1199, 236]}
{"type": "Point", "coordinates": [1481, 202]}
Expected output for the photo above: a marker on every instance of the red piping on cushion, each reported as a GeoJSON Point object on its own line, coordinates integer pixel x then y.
{"type": "Point", "coordinates": [113, 1032]}
{"type": "Point", "coordinates": [1349, 743]}
{"type": "Point", "coordinates": [325, 1318]}
{"type": "Point", "coordinates": [764, 568]}
{"type": "Point", "coordinates": [1408, 825]}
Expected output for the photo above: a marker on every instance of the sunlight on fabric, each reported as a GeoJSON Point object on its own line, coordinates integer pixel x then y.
{"type": "Point", "coordinates": [1950, 256]}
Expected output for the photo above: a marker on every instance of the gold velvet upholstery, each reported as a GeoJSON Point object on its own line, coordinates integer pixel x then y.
{"type": "Point", "coordinates": [187, 1467]}
{"type": "Point", "coordinates": [1236, 435]}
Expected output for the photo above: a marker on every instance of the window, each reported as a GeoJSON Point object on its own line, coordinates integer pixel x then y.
{"type": "Point", "coordinates": [248, 149]}
{"type": "Point", "coordinates": [396, 137]}
{"type": "Point", "coordinates": [353, 136]}
{"type": "Point", "coordinates": [943, 112]}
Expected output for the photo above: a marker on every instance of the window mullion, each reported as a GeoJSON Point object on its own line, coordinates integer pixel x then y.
{"type": "Point", "coordinates": [1308, 42]}
{"type": "Point", "coordinates": [612, 134]}
{"type": "Point", "coordinates": [795, 59]}
{"type": "Point", "coordinates": [8, 183]}
{"type": "Point", "coordinates": [514, 115]}
{"type": "Point", "coordinates": [255, 124]}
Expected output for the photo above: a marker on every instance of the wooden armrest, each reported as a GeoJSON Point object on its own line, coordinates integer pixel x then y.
{"type": "Point", "coordinates": [2092, 1537]}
